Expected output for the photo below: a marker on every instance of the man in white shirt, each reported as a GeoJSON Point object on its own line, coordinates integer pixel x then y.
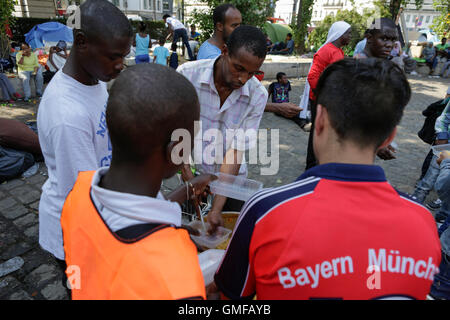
{"type": "Point", "coordinates": [71, 117]}
{"type": "Point", "coordinates": [178, 30]}
{"type": "Point", "coordinates": [230, 99]}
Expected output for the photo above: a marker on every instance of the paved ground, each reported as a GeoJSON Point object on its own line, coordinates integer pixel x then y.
{"type": "Point", "coordinates": [38, 276]}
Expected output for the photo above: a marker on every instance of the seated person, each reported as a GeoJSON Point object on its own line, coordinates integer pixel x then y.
{"type": "Point", "coordinates": [28, 66]}
{"type": "Point", "coordinates": [118, 229]}
{"type": "Point", "coordinates": [9, 94]}
{"type": "Point", "coordinates": [430, 56]}
{"type": "Point", "coordinates": [410, 65]}
{"type": "Point", "coordinates": [427, 183]}
{"type": "Point", "coordinates": [442, 49]}
{"type": "Point", "coordinates": [284, 48]}
{"type": "Point", "coordinates": [193, 35]}
{"type": "Point", "coordinates": [441, 285]}
{"type": "Point", "coordinates": [280, 104]}
{"type": "Point", "coordinates": [330, 234]}
{"type": "Point", "coordinates": [57, 57]}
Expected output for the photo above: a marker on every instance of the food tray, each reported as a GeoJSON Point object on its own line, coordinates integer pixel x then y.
{"type": "Point", "coordinates": [208, 241]}
{"type": "Point", "coordinates": [209, 262]}
{"type": "Point", "coordinates": [234, 187]}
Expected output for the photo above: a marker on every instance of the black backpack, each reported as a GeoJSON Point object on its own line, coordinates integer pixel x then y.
{"type": "Point", "coordinates": [432, 112]}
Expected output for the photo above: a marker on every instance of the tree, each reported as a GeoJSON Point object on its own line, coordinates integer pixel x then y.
{"type": "Point", "coordinates": [302, 22]}
{"type": "Point", "coordinates": [6, 17]}
{"type": "Point", "coordinates": [254, 12]}
{"type": "Point", "coordinates": [442, 23]}
{"type": "Point", "coordinates": [395, 5]}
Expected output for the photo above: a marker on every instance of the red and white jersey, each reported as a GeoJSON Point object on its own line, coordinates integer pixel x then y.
{"type": "Point", "coordinates": [340, 231]}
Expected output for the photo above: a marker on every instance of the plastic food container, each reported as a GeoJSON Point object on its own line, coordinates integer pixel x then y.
{"type": "Point", "coordinates": [439, 148]}
{"type": "Point", "coordinates": [234, 187]}
{"type": "Point", "coordinates": [209, 262]}
{"type": "Point", "coordinates": [208, 241]}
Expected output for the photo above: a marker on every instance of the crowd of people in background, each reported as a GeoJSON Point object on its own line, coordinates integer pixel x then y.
{"type": "Point", "coordinates": [107, 154]}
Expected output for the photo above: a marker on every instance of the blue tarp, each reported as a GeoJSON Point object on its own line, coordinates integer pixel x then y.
{"type": "Point", "coordinates": [49, 31]}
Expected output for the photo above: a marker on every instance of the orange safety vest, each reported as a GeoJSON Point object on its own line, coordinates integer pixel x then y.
{"type": "Point", "coordinates": [160, 264]}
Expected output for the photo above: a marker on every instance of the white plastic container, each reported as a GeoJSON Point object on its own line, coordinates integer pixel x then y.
{"type": "Point", "coordinates": [208, 241]}
{"type": "Point", "coordinates": [209, 262]}
{"type": "Point", "coordinates": [234, 186]}
{"type": "Point", "coordinates": [439, 148]}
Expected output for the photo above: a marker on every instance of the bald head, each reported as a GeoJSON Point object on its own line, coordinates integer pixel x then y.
{"type": "Point", "coordinates": [146, 104]}
{"type": "Point", "coordinates": [100, 19]}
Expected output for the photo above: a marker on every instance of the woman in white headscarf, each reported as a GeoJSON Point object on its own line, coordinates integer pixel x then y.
{"type": "Point", "coordinates": [339, 35]}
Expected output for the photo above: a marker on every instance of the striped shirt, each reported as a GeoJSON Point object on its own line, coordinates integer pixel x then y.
{"type": "Point", "coordinates": [325, 235]}
{"type": "Point", "coordinates": [241, 112]}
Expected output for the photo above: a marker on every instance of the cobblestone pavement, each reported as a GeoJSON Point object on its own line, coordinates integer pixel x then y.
{"type": "Point", "coordinates": [37, 276]}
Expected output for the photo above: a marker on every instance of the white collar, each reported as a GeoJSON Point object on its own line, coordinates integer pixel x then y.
{"type": "Point", "coordinates": [120, 210]}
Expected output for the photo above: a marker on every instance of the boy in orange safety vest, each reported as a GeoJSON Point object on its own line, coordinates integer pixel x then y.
{"type": "Point", "coordinates": [122, 238]}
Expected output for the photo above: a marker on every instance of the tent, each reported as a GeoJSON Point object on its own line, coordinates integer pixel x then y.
{"type": "Point", "coordinates": [277, 32]}
{"type": "Point", "coordinates": [48, 32]}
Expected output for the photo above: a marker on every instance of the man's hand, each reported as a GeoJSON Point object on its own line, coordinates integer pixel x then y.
{"type": "Point", "coordinates": [386, 153]}
{"type": "Point", "coordinates": [438, 142]}
{"type": "Point", "coordinates": [288, 110]}
{"type": "Point", "coordinates": [200, 184]}
{"type": "Point", "coordinates": [444, 155]}
{"type": "Point", "coordinates": [215, 220]}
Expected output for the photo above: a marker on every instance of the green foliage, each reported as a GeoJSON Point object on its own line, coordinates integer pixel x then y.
{"type": "Point", "coordinates": [442, 23]}
{"type": "Point", "coordinates": [6, 10]}
{"type": "Point", "coordinates": [359, 23]}
{"type": "Point", "coordinates": [254, 12]}
{"type": "Point", "coordinates": [156, 29]}
{"type": "Point", "coordinates": [302, 21]}
{"type": "Point", "coordinates": [22, 26]}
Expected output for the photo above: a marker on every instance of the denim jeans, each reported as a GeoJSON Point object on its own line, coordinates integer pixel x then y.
{"type": "Point", "coordinates": [181, 33]}
{"type": "Point", "coordinates": [445, 69]}
{"type": "Point", "coordinates": [25, 77]}
{"type": "Point", "coordinates": [6, 86]}
{"type": "Point", "coordinates": [144, 58]}
{"type": "Point", "coordinates": [427, 183]}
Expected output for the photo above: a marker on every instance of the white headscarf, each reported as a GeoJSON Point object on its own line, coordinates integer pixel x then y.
{"type": "Point", "coordinates": [336, 31]}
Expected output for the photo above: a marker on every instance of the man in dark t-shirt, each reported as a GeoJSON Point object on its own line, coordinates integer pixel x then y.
{"type": "Point", "coordinates": [280, 90]}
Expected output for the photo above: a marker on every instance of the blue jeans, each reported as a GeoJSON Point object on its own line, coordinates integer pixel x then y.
{"type": "Point", "coordinates": [25, 76]}
{"type": "Point", "coordinates": [432, 63]}
{"type": "Point", "coordinates": [427, 183]}
{"type": "Point", "coordinates": [7, 88]}
{"type": "Point", "coordinates": [181, 33]}
{"type": "Point", "coordinates": [143, 58]}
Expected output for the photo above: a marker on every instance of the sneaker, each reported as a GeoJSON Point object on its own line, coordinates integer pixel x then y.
{"type": "Point", "coordinates": [17, 95]}
{"type": "Point", "coordinates": [26, 99]}
{"type": "Point", "coordinates": [440, 217]}
{"type": "Point", "coordinates": [434, 205]}
{"type": "Point", "coordinates": [413, 73]}
{"type": "Point", "coordinates": [307, 127]}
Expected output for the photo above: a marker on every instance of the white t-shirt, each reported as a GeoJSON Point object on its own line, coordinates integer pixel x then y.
{"type": "Point", "coordinates": [58, 61]}
{"type": "Point", "coordinates": [175, 23]}
{"type": "Point", "coordinates": [121, 210]}
{"type": "Point", "coordinates": [73, 136]}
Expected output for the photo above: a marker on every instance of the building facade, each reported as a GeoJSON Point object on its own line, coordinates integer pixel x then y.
{"type": "Point", "coordinates": [145, 9]}
{"type": "Point", "coordinates": [414, 18]}
{"type": "Point", "coordinates": [35, 9]}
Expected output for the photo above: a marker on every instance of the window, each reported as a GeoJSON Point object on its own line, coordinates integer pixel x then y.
{"type": "Point", "coordinates": [159, 5]}
{"type": "Point", "coordinates": [166, 6]}
{"type": "Point", "coordinates": [420, 19]}
{"type": "Point", "coordinates": [116, 3]}
{"type": "Point", "coordinates": [145, 4]}
{"type": "Point", "coordinates": [427, 19]}
{"type": "Point", "coordinates": [408, 17]}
